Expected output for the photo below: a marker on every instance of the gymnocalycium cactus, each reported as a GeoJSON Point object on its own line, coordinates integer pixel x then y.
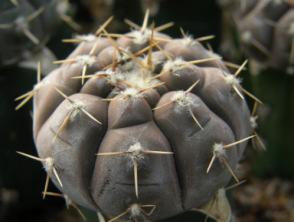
{"type": "Point", "coordinates": [266, 31]}
{"type": "Point", "coordinates": [26, 27]}
{"type": "Point", "coordinates": [140, 126]}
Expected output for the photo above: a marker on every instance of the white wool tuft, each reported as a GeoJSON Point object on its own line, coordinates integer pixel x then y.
{"type": "Point", "coordinates": [253, 121]}
{"type": "Point", "coordinates": [232, 80]}
{"type": "Point", "coordinates": [174, 65]}
{"type": "Point", "coordinates": [86, 60]}
{"type": "Point", "coordinates": [48, 164]}
{"type": "Point", "coordinates": [136, 151]}
{"type": "Point", "coordinates": [135, 210]}
{"type": "Point", "coordinates": [246, 36]}
{"type": "Point", "coordinates": [219, 150]}
{"type": "Point", "coordinates": [141, 37]}
{"type": "Point", "coordinates": [188, 41]}
{"type": "Point", "coordinates": [182, 99]}
{"type": "Point", "coordinates": [86, 38]}
{"type": "Point", "coordinates": [131, 92]}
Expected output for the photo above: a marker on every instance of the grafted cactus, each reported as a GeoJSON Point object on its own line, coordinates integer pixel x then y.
{"type": "Point", "coordinates": [140, 126]}
{"type": "Point", "coordinates": [266, 31]}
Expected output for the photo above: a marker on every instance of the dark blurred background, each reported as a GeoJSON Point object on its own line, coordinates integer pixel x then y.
{"type": "Point", "coordinates": [266, 196]}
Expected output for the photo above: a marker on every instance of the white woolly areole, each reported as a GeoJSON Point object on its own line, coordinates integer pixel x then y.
{"type": "Point", "coordinates": [135, 210]}
{"type": "Point", "coordinates": [253, 121]}
{"type": "Point", "coordinates": [135, 151]}
{"type": "Point", "coordinates": [107, 72]}
{"type": "Point", "coordinates": [62, 7]}
{"type": "Point", "coordinates": [48, 164]}
{"type": "Point", "coordinates": [75, 108]}
{"type": "Point", "coordinates": [78, 105]}
{"type": "Point", "coordinates": [232, 80]}
{"type": "Point", "coordinates": [188, 41]}
{"type": "Point", "coordinates": [219, 150]}
{"type": "Point", "coordinates": [86, 60]}
{"type": "Point", "coordinates": [131, 92]}
{"type": "Point", "coordinates": [87, 38]}
{"type": "Point", "coordinates": [21, 23]}
{"type": "Point", "coordinates": [140, 78]}
{"type": "Point", "coordinates": [113, 77]}
{"type": "Point", "coordinates": [246, 36]}
{"type": "Point", "coordinates": [174, 65]}
{"type": "Point", "coordinates": [182, 99]}
{"type": "Point", "coordinates": [141, 37]}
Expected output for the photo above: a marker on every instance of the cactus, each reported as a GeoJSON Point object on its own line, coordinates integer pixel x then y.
{"type": "Point", "coordinates": [26, 26]}
{"type": "Point", "coordinates": [266, 31]}
{"type": "Point", "coordinates": [268, 40]}
{"type": "Point", "coordinates": [139, 126]}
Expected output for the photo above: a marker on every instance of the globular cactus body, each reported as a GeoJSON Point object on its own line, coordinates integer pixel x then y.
{"type": "Point", "coordinates": [163, 116]}
{"type": "Point", "coordinates": [266, 30]}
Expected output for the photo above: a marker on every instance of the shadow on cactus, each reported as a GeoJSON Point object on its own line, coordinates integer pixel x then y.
{"type": "Point", "coordinates": [140, 126]}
